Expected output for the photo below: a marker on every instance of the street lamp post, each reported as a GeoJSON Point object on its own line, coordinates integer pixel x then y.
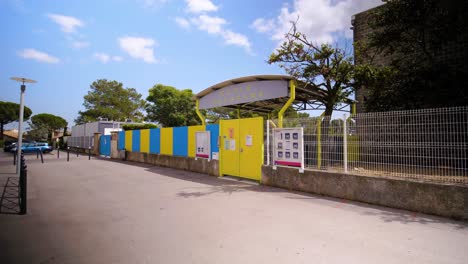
{"type": "Point", "coordinates": [21, 113]}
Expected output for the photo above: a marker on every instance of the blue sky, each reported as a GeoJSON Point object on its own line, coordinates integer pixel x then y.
{"type": "Point", "coordinates": [66, 45]}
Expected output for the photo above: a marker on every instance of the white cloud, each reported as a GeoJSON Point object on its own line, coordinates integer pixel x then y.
{"type": "Point", "coordinates": [102, 57]}
{"type": "Point", "coordinates": [152, 3]}
{"type": "Point", "coordinates": [232, 38]}
{"type": "Point", "coordinates": [263, 25]}
{"type": "Point", "coordinates": [214, 25]}
{"type": "Point", "coordinates": [68, 24]}
{"type": "Point", "coordinates": [210, 24]}
{"type": "Point", "coordinates": [38, 56]}
{"type": "Point", "coordinates": [117, 58]}
{"type": "Point", "coordinates": [320, 20]}
{"type": "Point", "coordinates": [139, 48]}
{"type": "Point", "coordinates": [200, 6]}
{"type": "Point", "coordinates": [105, 58]}
{"type": "Point", "coordinates": [182, 22]}
{"type": "Point", "coordinates": [80, 44]}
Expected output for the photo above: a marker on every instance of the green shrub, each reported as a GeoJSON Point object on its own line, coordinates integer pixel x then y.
{"type": "Point", "coordinates": [138, 126]}
{"type": "Point", "coordinates": [2, 143]}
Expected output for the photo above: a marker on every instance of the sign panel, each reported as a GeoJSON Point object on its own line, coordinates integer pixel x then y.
{"type": "Point", "coordinates": [244, 93]}
{"type": "Point", "coordinates": [288, 147]}
{"type": "Point", "coordinates": [202, 144]}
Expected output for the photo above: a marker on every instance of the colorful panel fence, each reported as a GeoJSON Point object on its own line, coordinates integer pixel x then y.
{"type": "Point", "coordinates": [172, 141]}
{"type": "Point", "coordinates": [214, 131]}
{"type": "Point", "coordinates": [128, 140]}
{"type": "Point", "coordinates": [166, 140]}
{"type": "Point", "coordinates": [136, 141]}
{"type": "Point", "coordinates": [180, 141]}
{"type": "Point", "coordinates": [144, 140]}
{"type": "Point", "coordinates": [121, 141]}
{"type": "Point", "coordinates": [155, 141]}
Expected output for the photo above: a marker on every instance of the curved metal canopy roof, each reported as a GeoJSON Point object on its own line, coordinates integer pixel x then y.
{"type": "Point", "coordinates": [307, 97]}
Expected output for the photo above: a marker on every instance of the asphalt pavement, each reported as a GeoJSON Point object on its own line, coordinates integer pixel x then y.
{"type": "Point", "coordinates": [105, 211]}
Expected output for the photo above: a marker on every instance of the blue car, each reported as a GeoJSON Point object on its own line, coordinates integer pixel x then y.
{"type": "Point", "coordinates": [34, 147]}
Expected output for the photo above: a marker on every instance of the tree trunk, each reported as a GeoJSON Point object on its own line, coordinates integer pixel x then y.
{"type": "Point", "coordinates": [325, 147]}
{"type": "Point", "coordinates": [1, 130]}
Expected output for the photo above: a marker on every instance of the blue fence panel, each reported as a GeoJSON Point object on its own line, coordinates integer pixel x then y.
{"type": "Point", "coordinates": [105, 145]}
{"type": "Point", "coordinates": [214, 134]}
{"type": "Point", "coordinates": [136, 141]}
{"type": "Point", "coordinates": [121, 142]}
{"type": "Point", "coordinates": [155, 140]}
{"type": "Point", "coordinates": [180, 141]}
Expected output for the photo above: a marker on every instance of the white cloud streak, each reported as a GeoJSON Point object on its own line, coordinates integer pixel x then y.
{"type": "Point", "coordinates": [200, 6]}
{"type": "Point", "coordinates": [80, 44]}
{"type": "Point", "coordinates": [210, 24]}
{"type": "Point", "coordinates": [38, 56]}
{"type": "Point", "coordinates": [139, 48]}
{"type": "Point", "coordinates": [68, 24]}
{"type": "Point", "coordinates": [182, 22]}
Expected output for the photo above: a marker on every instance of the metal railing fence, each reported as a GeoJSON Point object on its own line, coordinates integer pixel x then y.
{"type": "Point", "coordinates": [81, 142]}
{"type": "Point", "coordinates": [428, 145]}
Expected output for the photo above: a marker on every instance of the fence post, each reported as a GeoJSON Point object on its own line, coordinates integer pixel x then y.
{"type": "Point", "coordinates": [268, 142]}
{"type": "Point", "coordinates": [77, 154]}
{"type": "Point", "coordinates": [14, 157]}
{"type": "Point", "coordinates": [42, 157]}
{"type": "Point", "coordinates": [89, 153]}
{"type": "Point", "coordinates": [58, 153]}
{"type": "Point", "coordinates": [68, 154]}
{"type": "Point", "coordinates": [345, 145]}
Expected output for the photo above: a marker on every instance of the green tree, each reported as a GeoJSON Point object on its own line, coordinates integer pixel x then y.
{"type": "Point", "coordinates": [326, 71]}
{"type": "Point", "coordinates": [9, 112]}
{"type": "Point", "coordinates": [425, 41]}
{"type": "Point", "coordinates": [171, 107]}
{"type": "Point", "coordinates": [109, 99]}
{"type": "Point", "coordinates": [43, 125]}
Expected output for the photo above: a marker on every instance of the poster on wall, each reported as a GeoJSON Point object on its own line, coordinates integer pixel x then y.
{"type": "Point", "coordinates": [288, 147]}
{"type": "Point", "coordinates": [202, 144]}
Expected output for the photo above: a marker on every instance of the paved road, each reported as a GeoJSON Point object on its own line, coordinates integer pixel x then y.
{"type": "Point", "coordinates": [103, 211]}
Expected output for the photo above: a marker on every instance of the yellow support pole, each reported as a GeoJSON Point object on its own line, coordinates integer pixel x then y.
{"type": "Point", "coordinates": [353, 108]}
{"type": "Point", "coordinates": [319, 142]}
{"type": "Point", "coordinates": [292, 97]}
{"type": "Point", "coordinates": [238, 112]}
{"type": "Point", "coordinates": [202, 118]}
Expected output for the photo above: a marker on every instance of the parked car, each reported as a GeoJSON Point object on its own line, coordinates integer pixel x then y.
{"type": "Point", "coordinates": [34, 147]}
{"type": "Point", "coordinates": [9, 146]}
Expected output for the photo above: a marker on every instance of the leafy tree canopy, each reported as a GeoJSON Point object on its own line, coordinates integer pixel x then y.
{"type": "Point", "coordinates": [43, 125]}
{"type": "Point", "coordinates": [171, 107]}
{"type": "Point", "coordinates": [9, 112]}
{"type": "Point", "coordinates": [109, 99]}
{"type": "Point", "coordinates": [324, 69]}
{"type": "Point", "coordinates": [423, 41]}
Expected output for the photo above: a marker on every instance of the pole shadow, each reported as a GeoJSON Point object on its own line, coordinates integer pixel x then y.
{"type": "Point", "coordinates": [10, 200]}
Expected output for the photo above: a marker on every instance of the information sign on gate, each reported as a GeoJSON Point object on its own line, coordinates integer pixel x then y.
{"type": "Point", "coordinates": [288, 147]}
{"type": "Point", "coordinates": [202, 144]}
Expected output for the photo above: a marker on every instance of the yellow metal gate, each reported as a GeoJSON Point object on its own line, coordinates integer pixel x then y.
{"type": "Point", "coordinates": [241, 147]}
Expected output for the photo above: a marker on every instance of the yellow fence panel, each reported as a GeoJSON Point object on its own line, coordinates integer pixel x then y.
{"type": "Point", "coordinates": [166, 141]}
{"type": "Point", "coordinates": [144, 140]}
{"type": "Point", "coordinates": [128, 140]}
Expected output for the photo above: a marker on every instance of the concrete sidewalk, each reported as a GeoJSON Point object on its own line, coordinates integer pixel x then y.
{"type": "Point", "coordinates": [103, 211]}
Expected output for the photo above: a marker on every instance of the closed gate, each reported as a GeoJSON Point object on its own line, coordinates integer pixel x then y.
{"type": "Point", "coordinates": [105, 145]}
{"type": "Point", "coordinates": [241, 147]}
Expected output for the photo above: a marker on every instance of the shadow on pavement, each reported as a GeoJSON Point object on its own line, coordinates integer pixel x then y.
{"type": "Point", "coordinates": [10, 200]}
{"type": "Point", "coordinates": [228, 186]}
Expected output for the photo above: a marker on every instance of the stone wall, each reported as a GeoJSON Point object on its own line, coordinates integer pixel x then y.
{"type": "Point", "coordinates": [182, 163]}
{"type": "Point", "coordinates": [437, 199]}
